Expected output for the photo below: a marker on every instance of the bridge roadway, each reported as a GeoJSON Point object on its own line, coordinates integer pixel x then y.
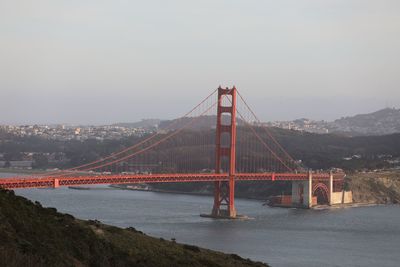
{"type": "Point", "coordinates": [56, 181]}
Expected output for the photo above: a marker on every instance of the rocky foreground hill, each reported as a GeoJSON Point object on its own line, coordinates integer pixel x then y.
{"type": "Point", "coordinates": [31, 235]}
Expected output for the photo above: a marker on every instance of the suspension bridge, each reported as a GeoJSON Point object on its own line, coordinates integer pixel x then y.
{"type": "Point", "coordinates": [237, 147]}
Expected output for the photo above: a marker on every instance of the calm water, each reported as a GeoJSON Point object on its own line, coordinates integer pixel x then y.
{"type": "Point", "coordinates": [367, 236]}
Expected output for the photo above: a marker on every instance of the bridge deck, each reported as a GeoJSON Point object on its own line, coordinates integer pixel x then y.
{"type": "Point", "coordinates": [42, 182]}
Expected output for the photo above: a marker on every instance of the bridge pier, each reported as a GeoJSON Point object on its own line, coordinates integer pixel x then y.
{"type": "Point", "coordinates": [302, 193]}
{"type": "Point", "coordinates": [330, 188]}
{"type": "Point", "coordinates": [309, 193]}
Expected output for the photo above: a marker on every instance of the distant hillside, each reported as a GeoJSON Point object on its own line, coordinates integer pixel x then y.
{"type": "Point", "coordinates": [201, 123]}
{"type": "Point", "coordinates": [381, 122]}
{"type": "Point", "coordinates": [317, 151]}
{"type": "Point", "coordinates": [331, 150]}
{"type": "Point", "coordinates": [144, 123]}
{"type": "Point", "coordinates": [31, 235]}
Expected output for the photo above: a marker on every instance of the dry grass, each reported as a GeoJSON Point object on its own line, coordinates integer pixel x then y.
{"type": "Point", "coordinates": [376, 187]}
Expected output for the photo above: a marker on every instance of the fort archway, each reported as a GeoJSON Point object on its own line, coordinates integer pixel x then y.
{"type": "Point", "coordinates": [321, 191]}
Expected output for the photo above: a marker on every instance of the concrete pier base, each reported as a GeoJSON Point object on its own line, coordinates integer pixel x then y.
{"type": "Point", "coordinates": [218, 217]}
{"type": "Point", "coordinates": [302, 193]}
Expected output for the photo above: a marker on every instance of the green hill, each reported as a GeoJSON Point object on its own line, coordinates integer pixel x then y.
{"type": "Point", "coordinates": [31, 235]}
{"type": "Point", "coordinates": [316, 151]}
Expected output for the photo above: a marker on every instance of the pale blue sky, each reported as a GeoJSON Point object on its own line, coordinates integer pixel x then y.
{"type": "Point", "coordinates": [81, 61]}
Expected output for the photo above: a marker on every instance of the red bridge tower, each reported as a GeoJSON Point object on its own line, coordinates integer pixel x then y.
{"type": "Point", "coordinates": [224, 191]}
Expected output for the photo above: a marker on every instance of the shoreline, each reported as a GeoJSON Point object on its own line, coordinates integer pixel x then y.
{"type": "Point", "coordinates": [348, 205]}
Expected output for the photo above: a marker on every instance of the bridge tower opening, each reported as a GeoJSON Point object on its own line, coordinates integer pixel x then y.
{"type": "Point", "coordinates": [224, 191]}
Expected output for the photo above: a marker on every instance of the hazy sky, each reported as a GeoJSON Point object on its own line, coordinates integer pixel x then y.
{"type": "Point", "coordinates": [82, 61]}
